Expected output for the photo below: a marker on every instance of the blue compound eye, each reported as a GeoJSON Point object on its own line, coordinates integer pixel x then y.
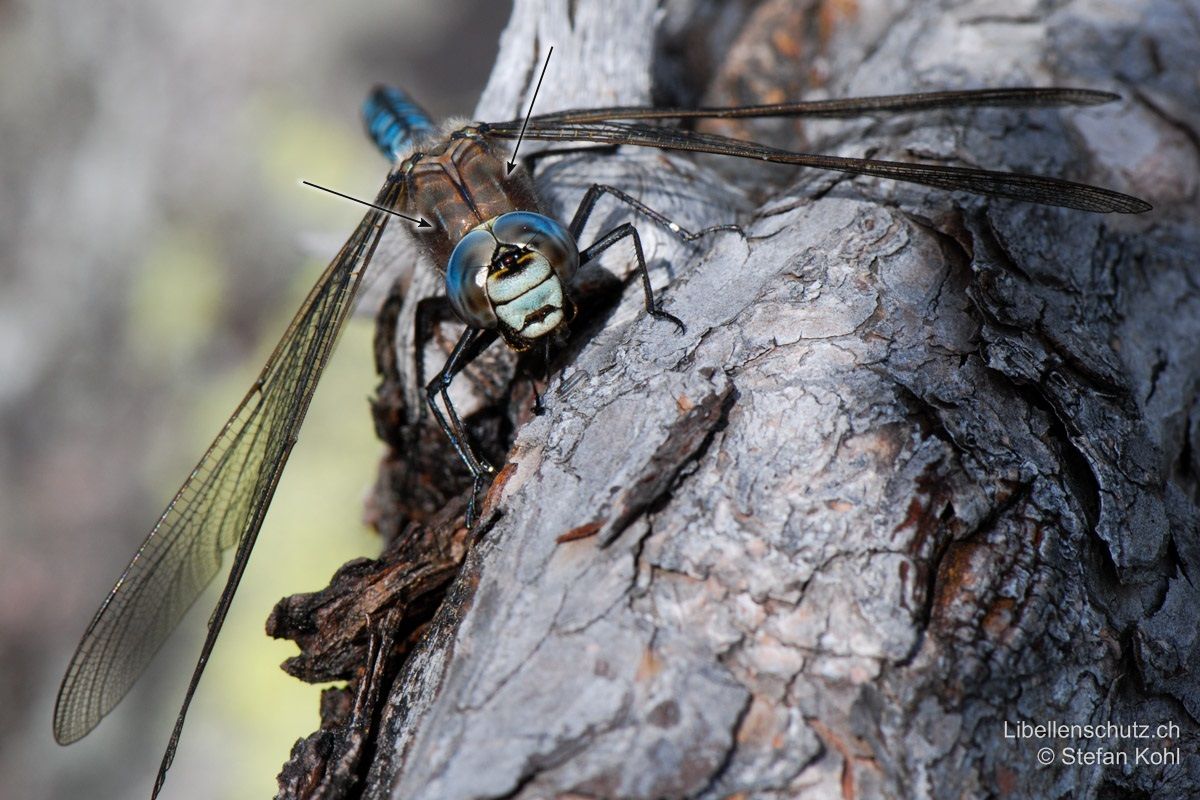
{"type": "Point", "coordinates": [466, 278]}
{"type": "Point", "coordinates": [540, 234]}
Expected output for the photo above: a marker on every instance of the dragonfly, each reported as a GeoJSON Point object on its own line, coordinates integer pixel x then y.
{"type": "Point", "coordinates": [507, 269]}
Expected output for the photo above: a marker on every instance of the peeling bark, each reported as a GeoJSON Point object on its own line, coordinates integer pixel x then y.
{"type": "Point", "coordinates": [923, 465]}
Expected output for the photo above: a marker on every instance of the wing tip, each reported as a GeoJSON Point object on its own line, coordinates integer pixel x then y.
{"type": "Point", "coordinates": [1094, 97]}
{"type": "Point", "coordinates": [1117, 203]}
{"type": "Point", "coordinates": [66, 728]}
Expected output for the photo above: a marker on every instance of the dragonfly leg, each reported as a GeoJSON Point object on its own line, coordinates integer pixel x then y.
{"type": "Point", "coordinates": [612, 237]}
{"type": "Point", "coordinates": [428, 313]}
{"type": "Point", "coordinates": [469, 346]}
{"type": "Point", "coordinates": [597, 190]}
{"type": "Point", "coordinates": [539, 408]}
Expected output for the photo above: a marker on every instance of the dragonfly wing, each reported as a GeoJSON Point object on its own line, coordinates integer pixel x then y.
{"type": "Point", "coordinates": [1013, 185]}
{"type": "Point", "coordinates": [1018, 97]}
{"type": "Point", "coordinates": [221, 504]}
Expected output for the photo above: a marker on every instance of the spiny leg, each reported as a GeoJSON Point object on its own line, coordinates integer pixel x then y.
{"type": "Point", "coordinates": [469, 346]}
{"type": "Point", "coordinates": [588, 204]}
{"type": "Point", "coordinates": [430, 311]}
{"type": "Point", "coordinates": [612, 237]}
{"type": "Point", "coordinates": [596, 190]}
{"type": "Point", "coordinates": [538, 407]}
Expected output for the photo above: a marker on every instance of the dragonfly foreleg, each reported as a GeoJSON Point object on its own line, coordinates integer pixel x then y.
{"type": "Point", "coordinates": [596, 190]}
{"type": "Point", "coordinates": [612, 237]}
{"type": "Point", "coordinates": [473, 342]}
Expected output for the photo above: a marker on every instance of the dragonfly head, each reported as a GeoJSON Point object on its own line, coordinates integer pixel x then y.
{"type": "Point", "coordinates": [511, 274]}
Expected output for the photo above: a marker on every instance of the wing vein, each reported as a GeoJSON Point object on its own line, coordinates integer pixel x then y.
{"type": "Point", "coordinates": [220, 504]}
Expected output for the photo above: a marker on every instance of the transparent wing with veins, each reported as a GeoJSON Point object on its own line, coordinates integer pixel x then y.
{"type": "Point", "coordinates": [598, 125]}
{"type": "Point", "coordinates": [220, 505]}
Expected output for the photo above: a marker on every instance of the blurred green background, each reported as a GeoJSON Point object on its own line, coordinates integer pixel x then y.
{"type": "Point", "coordinates": [154, 241]}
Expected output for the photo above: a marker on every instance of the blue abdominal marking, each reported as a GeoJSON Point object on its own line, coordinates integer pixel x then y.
{"type": "Point", "coordinates": [394, 121]}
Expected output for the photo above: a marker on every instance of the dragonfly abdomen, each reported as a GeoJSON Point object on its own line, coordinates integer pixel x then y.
{"type": "Point", "coordinates": [394, 121]}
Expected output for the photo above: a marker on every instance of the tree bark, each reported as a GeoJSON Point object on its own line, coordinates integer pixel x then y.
{"type": "Point", "coordinates": [922, 469]}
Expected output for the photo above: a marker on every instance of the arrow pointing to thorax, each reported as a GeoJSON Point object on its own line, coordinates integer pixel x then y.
{"type": "Point", "coordinates": [512, 162]}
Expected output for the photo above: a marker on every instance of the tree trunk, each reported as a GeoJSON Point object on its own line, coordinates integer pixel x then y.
{"type": "Point", "coordinates": [922, 470]}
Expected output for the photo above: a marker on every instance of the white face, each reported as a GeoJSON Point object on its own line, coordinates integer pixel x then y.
{"type": "Point", "coordinates": [510, 272]}
{"type": "Point", "coordinates": [529, 297]}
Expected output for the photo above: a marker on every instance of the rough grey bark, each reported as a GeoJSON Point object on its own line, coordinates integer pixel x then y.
{"type": "Point", "coordinates": [922, 466]}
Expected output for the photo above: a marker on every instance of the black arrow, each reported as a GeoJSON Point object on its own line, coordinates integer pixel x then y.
{"type": "Point", "coordinates": [421, 223]}
{"type": "Point", "coordinates": [512, 162]}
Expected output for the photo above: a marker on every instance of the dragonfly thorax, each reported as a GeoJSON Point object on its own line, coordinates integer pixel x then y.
{"type": "Point", "coordinates": [511, 273]}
